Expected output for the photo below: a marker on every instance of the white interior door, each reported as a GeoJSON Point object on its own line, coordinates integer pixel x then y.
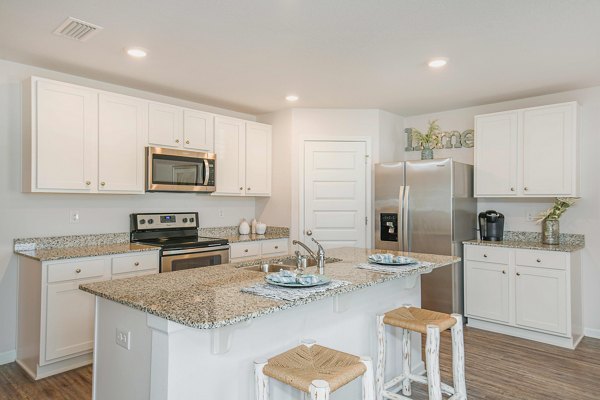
{"type": "Point", "coordinates": [335, 193]}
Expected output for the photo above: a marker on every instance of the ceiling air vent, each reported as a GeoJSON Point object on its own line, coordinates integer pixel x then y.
{"type": "Point", "coordinates": [77, 29]}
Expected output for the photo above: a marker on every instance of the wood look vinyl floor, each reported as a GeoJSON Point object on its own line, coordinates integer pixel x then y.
{"type": "Point", "coordinates": [498, 367]}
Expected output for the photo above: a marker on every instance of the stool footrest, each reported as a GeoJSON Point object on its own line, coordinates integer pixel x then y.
{"type": "Point", "coordinates": [447, 389]}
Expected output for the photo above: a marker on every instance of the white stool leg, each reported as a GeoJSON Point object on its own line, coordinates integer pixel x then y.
{"type": "Point", "coordinates": [368, 386]}
{"type": "Point", "coordinates": [458, 358]}
{"type": "Point", "coordinates": [432, 353]}
{"type": "Point", "coordinates": [406, 368]}
{"type": "Point", "coordinates": [261, 381]}
{"type": "Point", "coordinates": [319, 390]}
{"type": "Point", "coordinates": [380, 374]}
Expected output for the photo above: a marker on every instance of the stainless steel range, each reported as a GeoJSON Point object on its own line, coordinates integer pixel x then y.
{"type": "Point", "coordinates": [177, 236]}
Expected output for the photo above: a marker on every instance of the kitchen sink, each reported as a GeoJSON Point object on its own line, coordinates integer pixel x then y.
{"type": "Point", "coordinates": [287, 264]}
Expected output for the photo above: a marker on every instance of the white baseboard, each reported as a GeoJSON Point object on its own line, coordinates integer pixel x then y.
{"type": "Point", "coordinates": [593, 333]}
{"type": "Point", "coordinates": [8, 357]}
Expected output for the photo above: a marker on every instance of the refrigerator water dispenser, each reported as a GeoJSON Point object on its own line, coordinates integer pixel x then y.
{"type": "Point", "coordinates": [389, 227]}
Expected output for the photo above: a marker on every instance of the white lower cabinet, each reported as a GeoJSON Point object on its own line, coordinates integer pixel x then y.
{"type": "Point", "coordinates": [55, 319]}
{"type": "Point", "coordinates": [241, 251]}
{"type": "Point", "coordinates": [533, 294]}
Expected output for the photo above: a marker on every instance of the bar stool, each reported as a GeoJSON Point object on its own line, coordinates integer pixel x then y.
{"type": "Point", "coordinates": [430, 323]}
{"type": "Point", "coordinates": [315, 370]}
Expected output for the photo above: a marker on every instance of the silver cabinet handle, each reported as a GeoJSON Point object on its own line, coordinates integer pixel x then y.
{"type": "Point", "coordinates": [136, 264]}
{"type": "Point", "coordinates": [78, 270]}
{"type": "Point", "coordinates": [309, 233]}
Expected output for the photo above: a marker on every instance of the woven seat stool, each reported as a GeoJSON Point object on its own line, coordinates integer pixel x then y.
{"type": "Point", "coordinates": [430, 323]}
{"type": "Point", "coordinates": [314, 370]}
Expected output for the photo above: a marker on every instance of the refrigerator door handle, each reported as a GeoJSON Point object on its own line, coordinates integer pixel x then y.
{"type": "Point", "coordinates": [405, 204]}
{"type": "Point", "coordinates": [400, 227]}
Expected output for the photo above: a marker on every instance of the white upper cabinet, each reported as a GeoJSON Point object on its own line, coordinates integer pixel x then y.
{"type": "Point", "coordinates": [243, 152]}
{"type": "Point", "coordinates": [531, 152]}
{"type": "Point", "coordinates": [258, 159]}
{"type": "Point", "coordinates": [178, 127]}
{"type": "Point", "coordinates": [165, 125]}
{"type": "Point", "coordinates": [495, 155]}
{"type": "Point", "coordinates": [230, 148]}
{"type": "Point", "coordinates": [123, 132]}
{"type": "Point", "coordinates": [61, 153]}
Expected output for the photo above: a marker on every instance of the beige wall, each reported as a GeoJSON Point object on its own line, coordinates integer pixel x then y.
{"type": "Point", "coordinates": [583, 218]}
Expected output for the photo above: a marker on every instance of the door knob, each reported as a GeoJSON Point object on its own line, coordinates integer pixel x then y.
{"type": "Point", "coordinates": [309, 233]}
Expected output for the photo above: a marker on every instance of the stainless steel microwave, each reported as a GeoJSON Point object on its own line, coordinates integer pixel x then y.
{"type": "Point", "coordinates": [173, 170]}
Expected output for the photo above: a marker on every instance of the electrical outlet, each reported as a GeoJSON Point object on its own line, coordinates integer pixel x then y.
{"type": "Point", "coordinates": [220, 213]}
{"type": "Point", "coordinates": [123, 339]}
{"type": "Point", "coordinates": [531, 215]}
{"type": "Point", "coordinates": [74, 216]}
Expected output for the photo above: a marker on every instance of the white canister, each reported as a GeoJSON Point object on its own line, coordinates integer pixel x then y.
{"type": "Point", "coordinates": [244, 228]}
{"type": "Point", "coordinates": [261, 228]}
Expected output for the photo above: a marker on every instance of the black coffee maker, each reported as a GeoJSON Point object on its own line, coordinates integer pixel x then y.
{"type": "Point", "coordinates": [491, 225]}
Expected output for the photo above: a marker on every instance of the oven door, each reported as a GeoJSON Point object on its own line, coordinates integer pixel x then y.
{"type": "Point", "coordinates": [178, 260]}
{"type": "Point", "coordinates": [171, 170]}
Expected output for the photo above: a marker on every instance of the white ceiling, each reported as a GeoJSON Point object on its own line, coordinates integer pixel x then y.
{"type": "Point", "coordinates": [247, 55]}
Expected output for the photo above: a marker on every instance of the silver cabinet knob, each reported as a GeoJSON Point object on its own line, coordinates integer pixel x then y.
{"type": "Point", "coordinates": [248, 189]}
{"type": "Point", "coordinates": [88, 183]}
{"type": "Point", "coordinates": [241, 188]}
{"type": "Point", "coordinates": [187, 142]}
{"type": "Point", "coordinates": [485, 256]}
{"type": "Point", "coordinates": [538, 260]}
{"type": "Point", "coordinates": [245, 250]}
{"type": "Point", "coordinates": [78, 270]}
{"type": "Point", "coordinates": [309, 233]}
{"type": "Point", "coordinates": [525, 188]}
{"type": "Point", "coordinates": [136, 264]}
{"type": "Point", "coordinates": [518, 274]}
{"type": "Point", "coordinates": [276, 247]}
{"type": "Point", "coordinates": [512, 189]}
{"type": "Point", "coordinates": [102, 183]}
{"type": "Point", "coordinates": [176, 140]}
{"type": "Point", "coordinates": [504, 272]}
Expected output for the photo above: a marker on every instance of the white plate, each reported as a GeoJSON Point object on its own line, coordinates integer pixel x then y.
{"type": "Point", "coordinates": [323, 280]}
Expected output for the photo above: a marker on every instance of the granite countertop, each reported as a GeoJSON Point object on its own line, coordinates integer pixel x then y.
{"type": "Point", "coordinates": [232, 235]}
{"type": "Point", "coordinates": [568, 242]}
{"type": "Point", "coordinates": [64, 253]}
{"type": "Point", "coordinates": [210, 297]}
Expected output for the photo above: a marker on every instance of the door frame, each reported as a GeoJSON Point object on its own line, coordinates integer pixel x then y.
{"type": "Point", "coordinates": [368, 181]}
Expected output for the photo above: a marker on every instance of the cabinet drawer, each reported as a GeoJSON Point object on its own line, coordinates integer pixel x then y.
{"type": "Point", "coordinates": [71, 270]}
{"type": "Point", "coordinates": [487, 254]}
{"type": "Point", "coordinates": [542, 259]}
{"type": "Point", "coordinates": [134, 274]}
{"type": "Point", "coordinates": [245, 249]}
{"type": "Point", "coordinates": [136, 262]}
{"type": "Point", "coordinates": [279, 246]}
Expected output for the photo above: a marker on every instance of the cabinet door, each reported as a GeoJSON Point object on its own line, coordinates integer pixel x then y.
{"type": "Point", "coordinates": [230, 148]}
{"type": "Point", "coordinates": [549, 143]}
{"type": "Point", "coordinates": [65, 140]}
{"type": "Point", "coordinates": [496, 154]}
{"type": "Point", "coordinates": [258, 159]}
{"type": "Point", "coordinates": [165, 125]}
{"type": "Point", "coordinates": [123, 132]}
{"type": "Point", "coordinates": [541, 299]}
{"type": "Point", "coordinates": [487, 291]}
{"type": "Point", "coordinates": [69, 320]}
{"type": "Point", "coordinates": [198, 130]}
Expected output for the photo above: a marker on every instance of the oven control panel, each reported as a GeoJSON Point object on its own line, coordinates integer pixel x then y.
{"type": "Point", "coordinates": [164, 221]}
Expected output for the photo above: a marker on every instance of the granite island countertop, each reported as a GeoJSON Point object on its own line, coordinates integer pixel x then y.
{"type": "Point", "coordinates": [210, 297]}
{"type": "Point", "coordinates": [569, 242]}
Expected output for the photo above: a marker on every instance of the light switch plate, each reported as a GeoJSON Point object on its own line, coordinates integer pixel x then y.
{"type": "Point", "coordinates": [74, 216]}
{"type": "Point", "coordinates": [123, 339]}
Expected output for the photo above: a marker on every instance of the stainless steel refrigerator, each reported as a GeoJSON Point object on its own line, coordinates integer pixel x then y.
{"type": "Point", "coordinates": [427, 207]}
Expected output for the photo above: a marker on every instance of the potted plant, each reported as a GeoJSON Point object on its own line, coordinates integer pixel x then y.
{"type": "Point", "coordinates": [549, 219]}
{"type": "Point", "coordinates": [428, 140]}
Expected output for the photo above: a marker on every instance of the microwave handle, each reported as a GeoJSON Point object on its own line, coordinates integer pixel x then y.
{"type": "Point", "coordinates": [206, 172]}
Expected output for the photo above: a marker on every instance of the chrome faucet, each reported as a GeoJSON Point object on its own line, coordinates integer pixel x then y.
{"type": "Point", "coordinates": [319, 257]}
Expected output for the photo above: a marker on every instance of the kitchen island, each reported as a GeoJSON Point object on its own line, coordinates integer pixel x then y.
{"type": "Point", "coordinates": [194, 335]}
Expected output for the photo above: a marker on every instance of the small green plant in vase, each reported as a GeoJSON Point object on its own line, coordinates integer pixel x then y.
{"type": "Point", "coordinates": [549, 219]}
{"type": "Point", "coordinates": [428, 140]}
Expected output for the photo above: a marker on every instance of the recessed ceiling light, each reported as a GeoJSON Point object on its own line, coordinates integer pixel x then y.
{"type": "Point", "coordinates": [136, 52]}
{"type": "Point", "coordinates": [438, 62]}
{"type": "Point", "coordinates": [291, 97]}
